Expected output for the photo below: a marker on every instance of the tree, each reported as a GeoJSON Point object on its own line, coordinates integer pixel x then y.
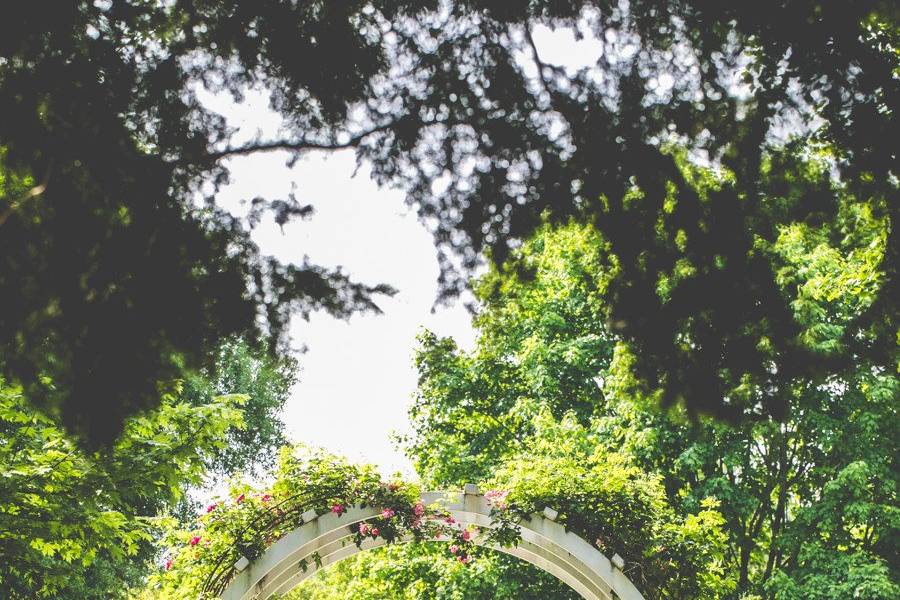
{"type": "Point", "coordinates": [222, 427]}
{"type": "Point", "coordinates": [809, 501]}
{"type": "Point", "coordinates": [252, 447]}
{"type": "Point", "coordinates": [114, 277]}
{"type": "Point", "coordinates": [72, 521]}
{"type": "Point", "coordinates": [605, 497]}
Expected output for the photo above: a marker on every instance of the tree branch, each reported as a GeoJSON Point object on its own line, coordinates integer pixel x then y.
{"type": "Point", "coordinates": [299, 145]}
{"type": "Point", "coordinates": [541, 65]}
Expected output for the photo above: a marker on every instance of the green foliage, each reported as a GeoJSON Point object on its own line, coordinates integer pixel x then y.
{"type": "Point", "coordinates": [775, 478]}
{"type": "Point", "coordinates": [605, 498]}
{"type": "Point", "coordinates": [543, 343]}
{"type": "Point", "coordinates": [200, 558]}
{"type": "Point", "coordinates": [266, 382]}
{"type": "Point", "coordinates": [808, 502]}
{"type": "Point", "coordinates": [824, 573]}
{"type": "Point", "coordinates": [114, 277]}
{"type": "Point", "coordinates": [426, 572]}
{"type": "Point", "coordinates": [63, 512]}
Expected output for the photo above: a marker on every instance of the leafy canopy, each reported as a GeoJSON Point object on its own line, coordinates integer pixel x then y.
{"type": "Point", "coordinates": [86, 525]}
{"type": "Point", "coordinates": [809, 502]}
{"type": "Point", "coordinates": [114, 276]}
{"type": "Point", "coordinates": [63, 510]}
{"type": "Point", "coordinates": [253, 447]}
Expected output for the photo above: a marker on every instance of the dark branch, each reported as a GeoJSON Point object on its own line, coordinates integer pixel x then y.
{"type": "Point", "coordinates": [298, 146]}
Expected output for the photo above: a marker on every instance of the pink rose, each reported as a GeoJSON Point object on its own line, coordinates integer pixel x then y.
{"type": "Point", "coordinates": [195, 540]}
{"type": "Point", "coordinates": [338, 509]}
{"type": "Point", "coordinates": [419, 509]}
{"type": "Point", "coordinates": [266, 498]}
{"type": "Point", "coordinates": [453, 548]}
{"type": "Point", "coordinates": [375, 532]}
{"type": "Point", "coordinates": [467, 535]}
{"type": "Point", "coordinates": [169, 564]}
{"type": "Point", "coordinates": [211, 508]}
{"type": "Point", "coordinates": [239, 499]}
{"type": "Point", "coordinates": [387, 513]}
{"type": "Point", "coordinates": [497, 498]}
{"type": "Point", "coordinates": [363, 529]}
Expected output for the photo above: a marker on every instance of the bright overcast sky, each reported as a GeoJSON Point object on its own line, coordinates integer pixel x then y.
{"type": "Point", "coordinates": [357, 377]}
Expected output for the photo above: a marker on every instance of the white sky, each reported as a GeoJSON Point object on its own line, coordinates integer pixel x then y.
{"type": "Point", "coordinates": [357, 376]}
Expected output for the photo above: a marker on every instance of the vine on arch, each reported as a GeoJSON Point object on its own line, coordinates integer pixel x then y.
{"type": "Point", "coordinates": [201, 556]}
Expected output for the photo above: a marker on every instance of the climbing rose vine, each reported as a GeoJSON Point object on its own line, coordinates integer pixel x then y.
{"type": "Point", "coordinates": [200, 559]}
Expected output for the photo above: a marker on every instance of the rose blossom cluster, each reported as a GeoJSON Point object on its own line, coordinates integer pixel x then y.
{"type": "Point", "coordinates": [418, 513]}
{"type": "Point", "coordinates": [497, 498]}
{"type": "Point", "coordinates": [239, 499]}
{"type": "Point", "coordinates": [458, 551]}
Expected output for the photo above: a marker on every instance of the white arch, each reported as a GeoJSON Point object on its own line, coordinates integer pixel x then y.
{"type": "Point", "coordinates": [544, 543]}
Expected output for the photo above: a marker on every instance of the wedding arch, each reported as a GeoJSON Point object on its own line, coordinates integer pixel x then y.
{"type": "Point", "coordinates": [324, 539]}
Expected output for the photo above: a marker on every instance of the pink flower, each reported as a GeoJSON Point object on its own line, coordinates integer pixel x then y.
{"type": "Point", "coordinates": [467, 535]}
{"type": "Point", "coordinates": [195, 540]}
{"type": "Point", "coordinates": [497, 498]}
{"type": "Point", "coordinates": [419, 509]}
{"type": "Point", "coordinates": [387, 513]}
{"type": "Point", "coordinates": [211, 508]}
{"type": "Point", "coordinates": [169, 564]}
{"type": "Point", "coordinates": [338, 509]}
{"type": "Point", "coordinates": [466, 560]}
{"type": "Point", "coordinates": [449, 520]}
{"type": "Point", "coordinates": [454, 548]}
{"type": "Point", "coordinates": [375, 532]}
{"type": "Point", "coordinates": [266, 498]}
{"type": "Point", "coordinates": [363, 529]}
{"type": "Point", "coordinates": [239, 499]}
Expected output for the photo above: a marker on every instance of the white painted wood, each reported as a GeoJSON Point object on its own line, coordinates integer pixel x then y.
{"type": "Point", "coordinates": [241, 564]}
{"type": "Point", "coordinates": [309, 516]}
{"type": "Point", "coordinates": [544, 543]}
